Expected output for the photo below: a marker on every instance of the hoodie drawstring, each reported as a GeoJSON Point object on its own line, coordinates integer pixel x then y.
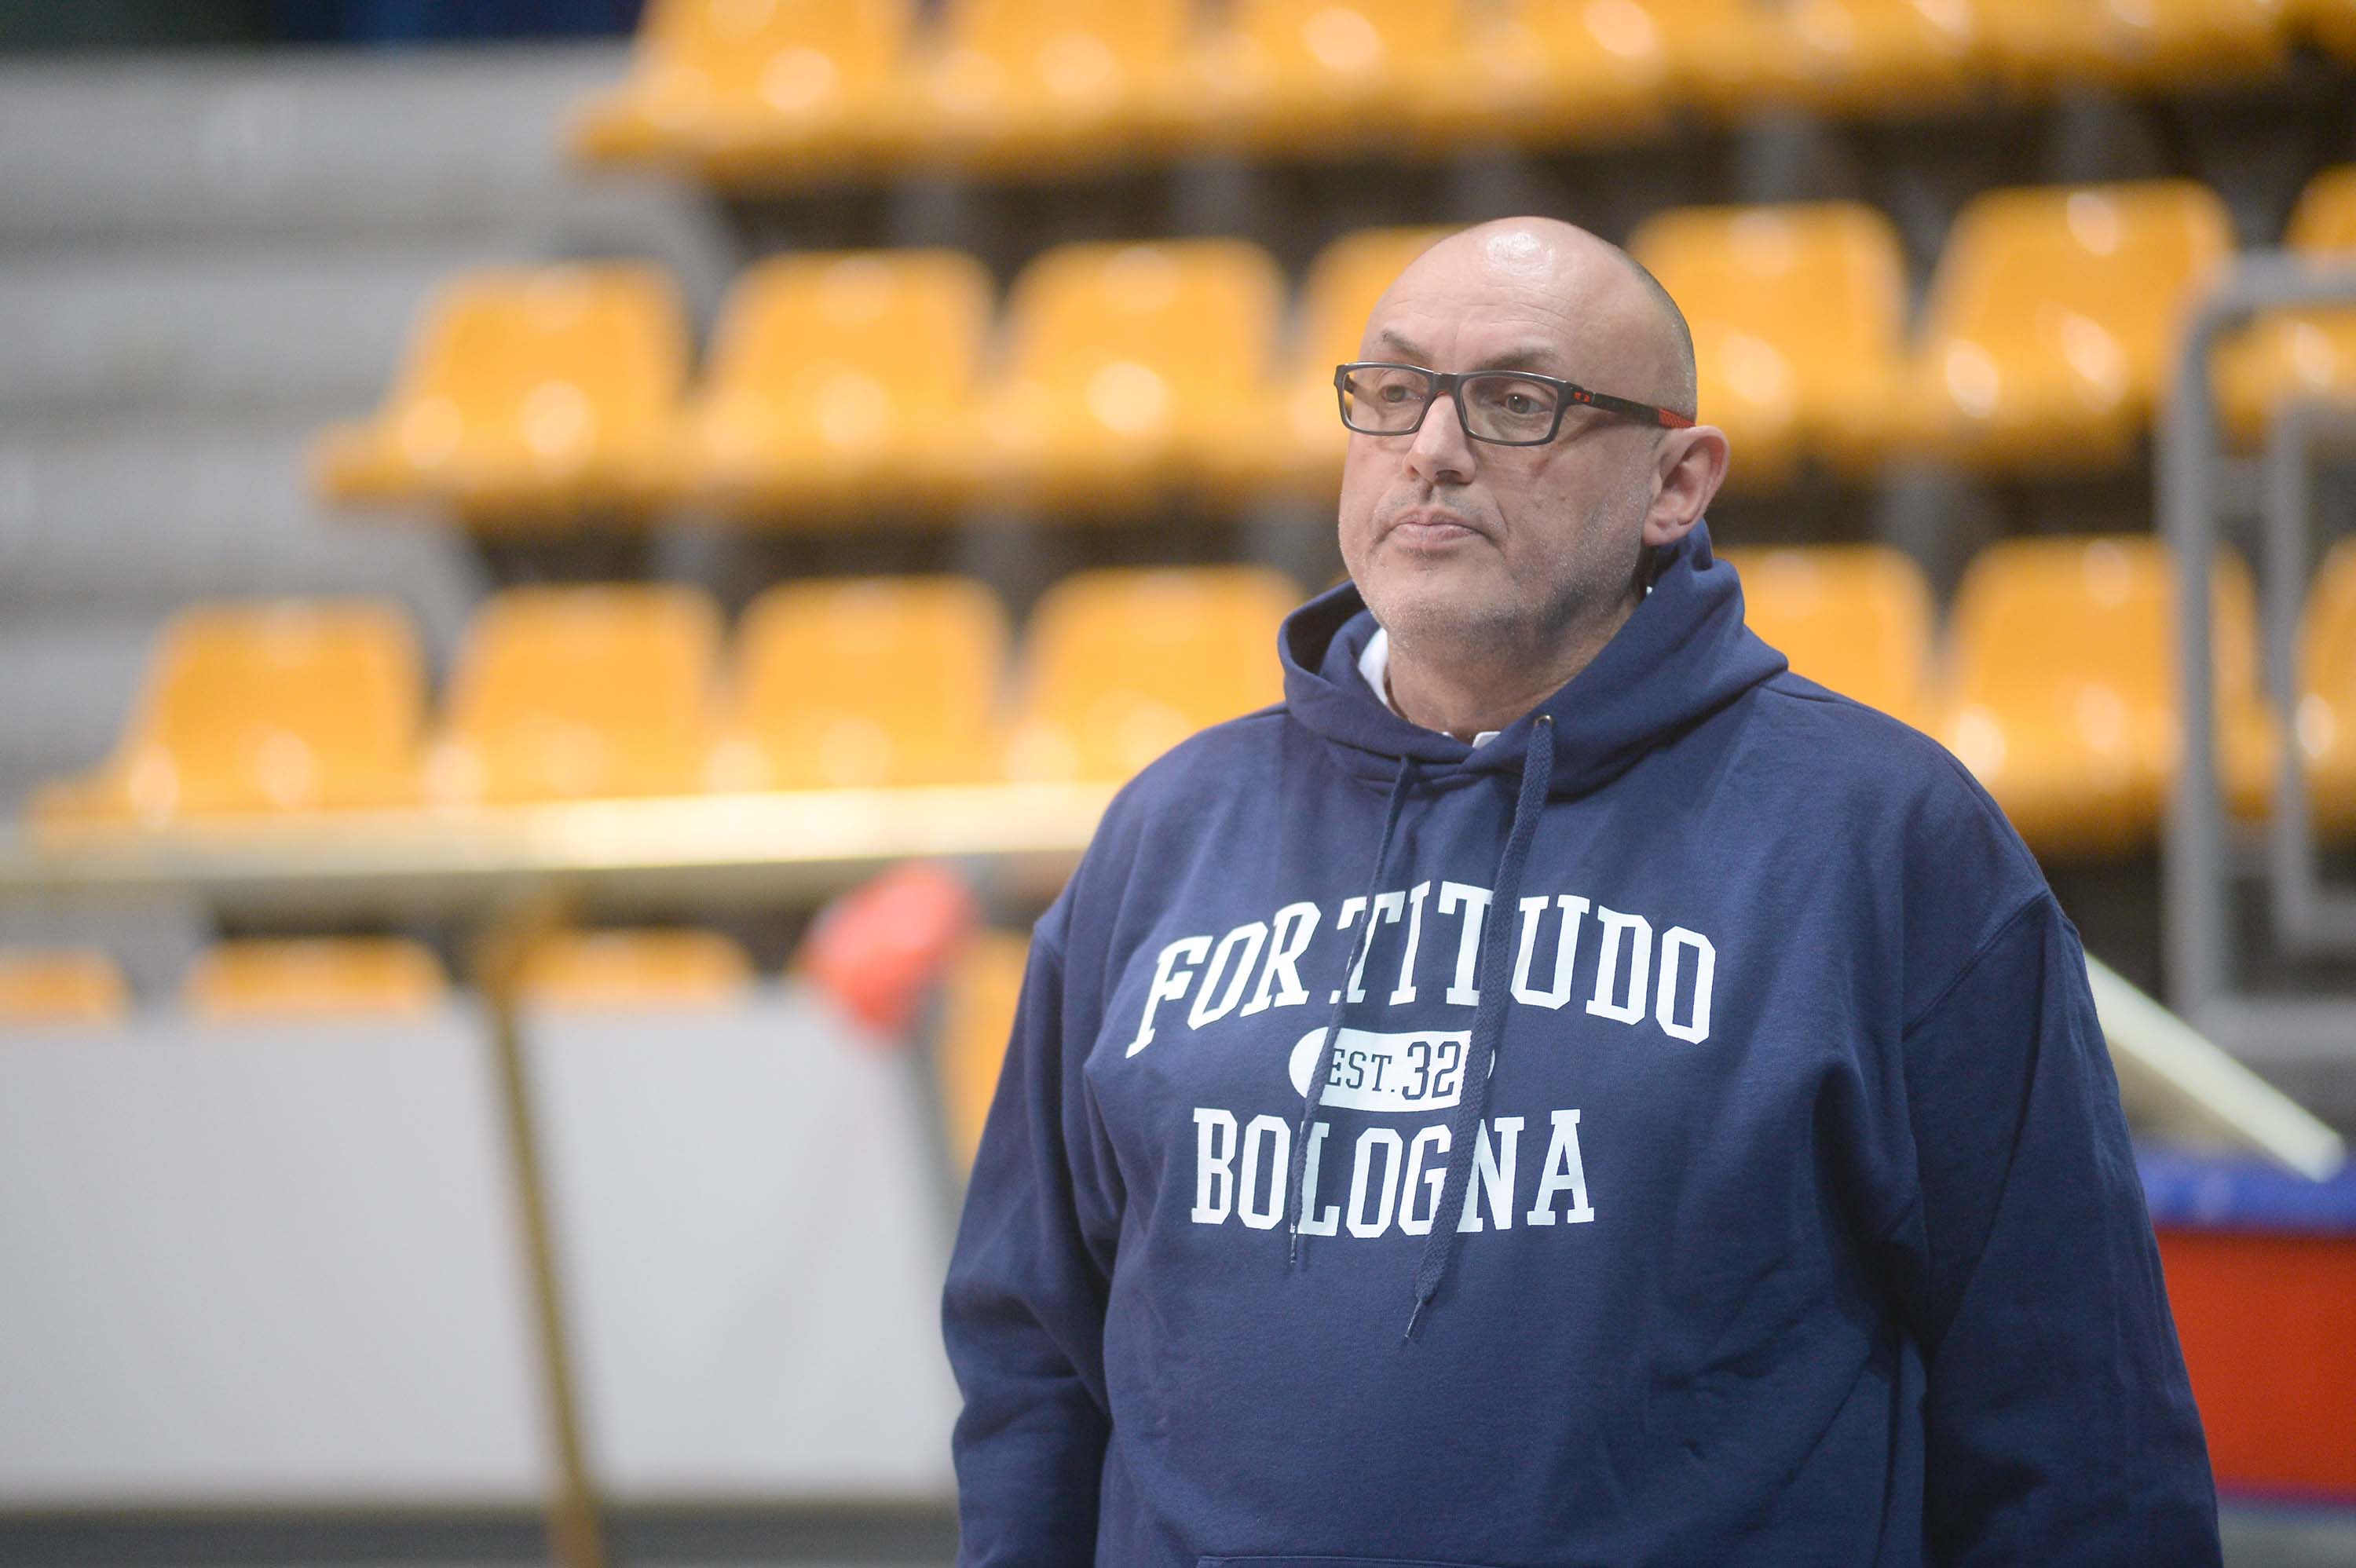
{"type": "Point", "coordinates": [1488, 1018]}
{"type": "Point", "coordinates": [1309, 1096]}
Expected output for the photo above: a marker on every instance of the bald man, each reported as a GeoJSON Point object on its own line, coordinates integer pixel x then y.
{"type": "Point", "coordinates": [1559, 1088]}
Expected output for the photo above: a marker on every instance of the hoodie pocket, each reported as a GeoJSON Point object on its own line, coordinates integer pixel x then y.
{"type": "Point", "coordinates": [1327, 1562]}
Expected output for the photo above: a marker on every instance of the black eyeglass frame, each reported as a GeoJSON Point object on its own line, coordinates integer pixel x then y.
{"type": "Point", "coordinates": [1452, 383]}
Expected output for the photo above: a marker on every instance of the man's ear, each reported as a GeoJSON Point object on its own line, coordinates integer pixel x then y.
{"type": "Point", "coordinates": [1692, 466]}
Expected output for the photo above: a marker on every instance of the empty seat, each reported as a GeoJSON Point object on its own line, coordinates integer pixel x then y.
{"type": "Point", "coordinates": [1732, 58]}
{"type": "Point", "coordinates": [2053, 322]}
{"type": "Point", "coordinates": [2039, 44]}
{"type": "Point", "coordinates": [977, 1019]}
{"type": "Point", "coordinates": [873, 681]}
{"type": "Point", "coordinates": [312, 979]}
{"type": "Point", "coordinates": [1798, 314]}
{"type": "Point", "coordinates": [264, 707]}
{"type": "Point", "coordinates": [1292, 435]}
{"type": "Point", "coordinates": [1321, 76]}
{"type": "Point", "coordinates": [620, 969]}
{"type": "Point", "coordinates": [2301, 355]}
{"type": "Point", "coordinates": [1546, 73]}
{"type": "Point", "coordinates": [563, 693]}
{"type": "Point", "coordinates": [70, 986]}
{"type": "Point", "coordinates": [842, 380]}
{"type": "Point", "coordinates": [1119, 666]}
{"type": "Point", "coordinates": [1856, 618]}
{"type": "Point", "coordinates": [2330, 22]}
{"type": "Point", "coordinates": [2327, 703]}
{"type": "Point", "coordinates": [1125, 365]}
{"type": "Point", "coordinates": [1034, 86]}
{"type": "Point", "coordinates": [756, 92]}
{"type": "Point", "coordinates": [2065, 688]}
{"type": "Point", "coordinates": [526, 396]}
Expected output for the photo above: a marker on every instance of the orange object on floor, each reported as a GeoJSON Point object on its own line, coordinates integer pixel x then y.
{"type": "Point", "coordinates": [2264, 1320]}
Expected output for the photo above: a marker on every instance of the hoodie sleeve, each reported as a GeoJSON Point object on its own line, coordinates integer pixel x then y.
{"type": "Point", "coordinates": [2059, 1423]}
{"type": "Point", "coordinates": [1024, 1309]}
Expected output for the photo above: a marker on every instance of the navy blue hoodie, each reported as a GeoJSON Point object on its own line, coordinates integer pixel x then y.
{"type": "Point", "coordinates": [1718, 1161]}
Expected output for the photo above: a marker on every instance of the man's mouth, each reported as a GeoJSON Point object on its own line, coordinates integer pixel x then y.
{"type": "Point", "coordinates": [1429, 527]}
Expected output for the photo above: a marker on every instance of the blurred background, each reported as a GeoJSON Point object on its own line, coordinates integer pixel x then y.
{"type": "Point", "coordinates": [571, 582]}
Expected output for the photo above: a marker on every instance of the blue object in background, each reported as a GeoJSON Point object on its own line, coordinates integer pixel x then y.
{"type": "Point", "coordinates": [2242, 1192]}
{"type": "Point", "coordinates": [417, 21]}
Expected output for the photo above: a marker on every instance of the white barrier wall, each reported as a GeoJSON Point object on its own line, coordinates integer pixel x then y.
{"type": "Point", "coordinates": [278, 1265]}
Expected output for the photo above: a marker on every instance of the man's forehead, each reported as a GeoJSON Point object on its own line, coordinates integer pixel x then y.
{"type": "Point", "coordinates": [1506, 296]}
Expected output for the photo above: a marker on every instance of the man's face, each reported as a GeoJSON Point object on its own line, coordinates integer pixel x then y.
{"type": "Point", "coordinates": [1472, 547]}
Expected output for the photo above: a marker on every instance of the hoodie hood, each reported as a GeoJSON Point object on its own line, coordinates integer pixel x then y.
{"type": "Point", "coordinates": [1681, 656]}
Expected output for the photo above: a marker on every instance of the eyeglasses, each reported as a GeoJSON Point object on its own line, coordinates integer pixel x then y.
{"type": "Point", "coordinates": [1504, 408]}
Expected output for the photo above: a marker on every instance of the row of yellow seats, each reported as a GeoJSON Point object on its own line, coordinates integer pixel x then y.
{"type": "Point", "coordinates": [2055, 687]}
{"type": "Point", "coordinates": [378, 977]}
{"type": "Point", "coordinates": [753, 93]}
{"type": "Point", "coordinates": [2056, 681]}
{"type": "Point", "coordinates": [566, 693]}
{"type": "Point", "coordinates": [844, 381]}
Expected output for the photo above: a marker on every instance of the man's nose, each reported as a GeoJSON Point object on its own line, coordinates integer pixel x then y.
{"type": "Point", "coordinates": [1441, 452]}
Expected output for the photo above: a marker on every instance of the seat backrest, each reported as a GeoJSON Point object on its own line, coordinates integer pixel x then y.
{"type": "Point", "coordinates": [866, 681]}
{"type": "Point", "coordinates": [590, 969]}
{"type": "Point", "coordinates": [2086, 628]}
{"type": "Point", "coordinates": [1344, 281]}
{"type": "Point", "coordinates": [559, 360]}
{"type": "Point", "coordinates": [1119, 666]}
{"type": "Point", "coordinates": [791, 55]}
{"type": "Point", "coordinates": [257, 706]}
{"type": "Point", "coordinates": [2093, 276]}
{"type": "Point", "coordinates": [850, 342]}
{"type": "Point", "coordinates": [1856, 618]}
{"type": "Point", "coordinates": [977, 1019]}
{"type": "Point", "coordinates": [1071, 41]}
{"type": "Point", "coordinates": [1793, 305]}
{"type": "Point", "coordinates": [60, 985]}
{"type": "Point", "coordinates": [1138, 332]}
{"type": "Point", "coordinates": [2324, 221]}
{"type": "Point", "coordinates": [566, 692]}
{"type": "Point", "coordinates": [339, 976]}
{"type": "Point", "coordinates": [2328, 634]}
{"type": "Point", "coordinates": [1353, 36]}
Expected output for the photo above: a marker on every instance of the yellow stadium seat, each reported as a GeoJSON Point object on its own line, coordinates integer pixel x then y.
{"type": "Point", "coordinates": [842, 380]}
{"type": "Point", "coordinates": [1313, 77]}
{"type": "Point", "coordinates": [2327, 704]}
{"type": "Point", "coordinates": [2301, 354]}
{"type": "Point", "coordinates": [330, 977]}
{"type": "Point", "coordinates": [1798, 314]}
{"type": "Point", "coordinates": [873, 681]}
{"type": "Point", "coordinates": [1291, 436]}
{"type": "Point", "coordinates": [1856, 618]}
{"type": "Point", "coordinates": [264, 707]}
{"type": "Point", "coordinates": [2063, 688]}
{"type": "Point", "coordinates": [526, 396]}
{"type": "Point", "coordinates": [563, 693]}
{"type": "Point", "coordinates": [1126, 365]}
{"type": "Point", "coordinates": [2038, 44]}
{"type": "Point", "coordinates": [753, 93]}
{"type": "Point", "coordinates": [59, 986]}
{"type": "Point", "coordinates": [621, 969]}
{"type": "Point", "coordinates": [1732, 58]}
{"type": "Point", "coordinates": [1119, 666]}
{"type": "Point", "coordinates": [977, 1020]}
{"type": "Point", "coordinates": [2330, 22]}
{"type": "Point", "coordinates": [1546, 74]}
{"type": "Point", "coordinates": [1039, 86]}
{"type": "Point", "coordinates": [2053, 322]}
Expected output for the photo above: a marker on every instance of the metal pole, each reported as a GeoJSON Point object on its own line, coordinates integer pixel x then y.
{"type": "Point", "coordinates": [575, 1519]}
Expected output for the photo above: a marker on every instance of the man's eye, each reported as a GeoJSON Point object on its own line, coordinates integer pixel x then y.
{"type": "Point", "coordinates": [1394, 394]}
{"type": "Point", "coordinates": [1520, 403]}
